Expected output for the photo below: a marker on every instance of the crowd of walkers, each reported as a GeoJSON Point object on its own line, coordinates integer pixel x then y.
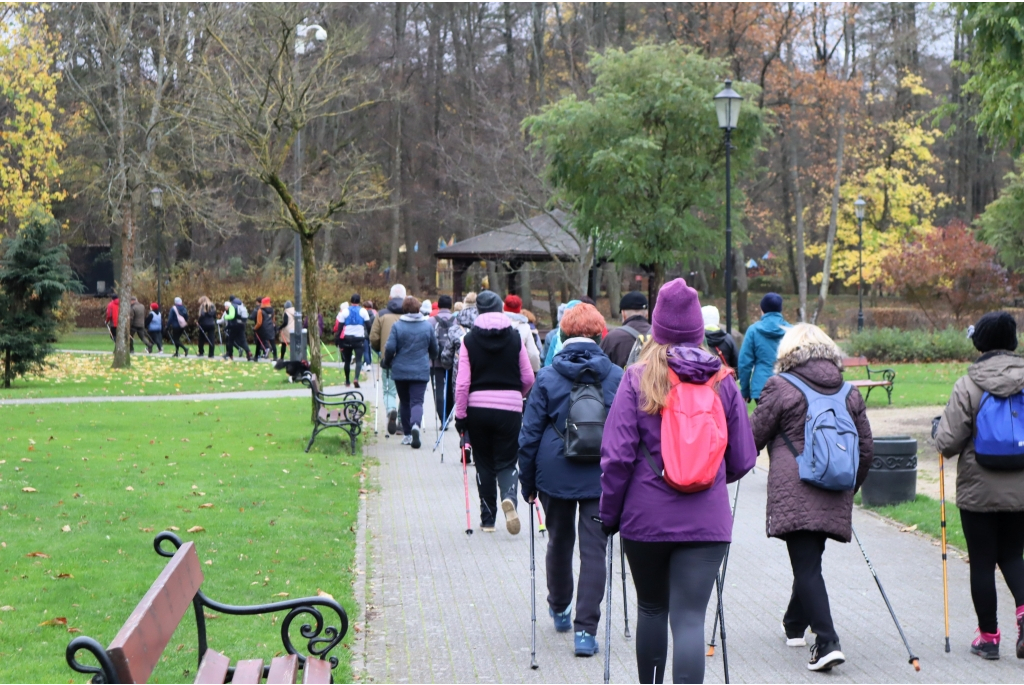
{"type": "Point", "coordinates": [637, 431]}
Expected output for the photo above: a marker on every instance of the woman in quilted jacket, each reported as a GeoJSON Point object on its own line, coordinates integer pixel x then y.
{"type": "Point", "coordinates": [803, 515]}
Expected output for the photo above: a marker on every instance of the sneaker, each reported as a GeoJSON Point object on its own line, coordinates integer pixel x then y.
{"type": "Point", "coordinates": [825, 656]}
{"type": "Point", "coordinates": [563, 620]}
{"type": "Point", "coordinates": [415, 439]}
{"type": "Point", "coordinates": [407, 440]}
{"type": "Point", "coordinates": [487, 527]}
{"type": "Point", "coordinates": [511, 517]}
{"type": "Point", "coordinates": [986, 645]}
{"type": "Point", "coordinates": [393, 421]}
{"type": "Point", "coordinates": [793, 640]}
{"type": "Point", "coordinates": [586, 644]}
{"type": "Point", "coordinates": [1020, 636]}
{"type": "Point", "coordinates": [357, 385]}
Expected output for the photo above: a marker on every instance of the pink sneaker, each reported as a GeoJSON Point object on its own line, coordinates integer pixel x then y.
{"type": "Point", "coordinates": [986, 645]}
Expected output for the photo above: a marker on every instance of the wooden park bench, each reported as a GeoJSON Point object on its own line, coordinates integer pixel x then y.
{"type": "Point", "coordinates": [137, 648]}
{"type": "Point", "coordinates": [344, 410]}
{"type": "Point", "coordinates": [886, 381]}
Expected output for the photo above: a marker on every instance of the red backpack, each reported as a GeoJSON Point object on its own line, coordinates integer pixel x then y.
{"type": "Point", "coordinates": [694, 434]}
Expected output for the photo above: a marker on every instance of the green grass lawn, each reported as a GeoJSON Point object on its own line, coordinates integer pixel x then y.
{"type": "Point", "coordinates": [916, 385]}
{"type": "Point", "coordinates": [924, 512]}
{"type": "Point", "coordinates": [275, 522]}
{"type": "Point", "coordinates": [87, 339]}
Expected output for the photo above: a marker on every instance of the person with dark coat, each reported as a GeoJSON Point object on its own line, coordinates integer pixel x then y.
{"type": "Point", "coordinates": [207, 322]}
{"type": "Point", "coordinates": [675, 541]}
{"type": "Point", "coordinates": [718, 341]}
{"type": "Point", "coordinates": [801, 514]}
{"type": "Point", "coordinates": [760, 347]}
{"type": "Point", "coordinates": [155, 327]}
{"type": "Point", "coordinates": [264, 330]}
{"type": "Point", "coordinates": [443, 378]}
{"type": "Point", "coordinates": [991, 501]}
{"type": "Point", "coordinates": [565, 486]}
{"type": "Point", "coordinates": [619, 341]}
{"type": "Point", "coordinates": [407, 354]}
{"type": "Point", "coordinates": [350, 325]}
{"type": "Point", "coordinates": [138, 325]}
{"type": "Point", "coordinates": [177, 319]}
{"type": "Point", "coordinates": [380, 333]}
{"type": "Point", "coordinates": [494, 375]}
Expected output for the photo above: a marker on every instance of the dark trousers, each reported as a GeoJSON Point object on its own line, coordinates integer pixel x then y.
{"type": "Point", "coordinates": [367, 355]}
{"type": "Point", "coordinates": [673, 582]}
{"type": "Point", "coordinates": [494, 435]}
{"type": "Point", "coordinates": [347, 353]}
{"type": "Point", "coordinates": [206, 337]}
{"type": "Point", "coordinates": [157, 337]}
{"type": "Point", "coordinates": [562, 526]}
{"type": "Point", "coordinates": [410, 403]}
{"type": "Point", "coordinates": [444, 392]}
{"type": "Point", "coordinates": [236, 338]}
{"type": "Point", "coordinates": [176, 334]}
{"type": "Point", "coordinates": [994, 539]}
{"type": "Point", "coordinates": [141, 333]}
{"type": "Point", "coordinates": [265, 344]}
{"type": "Point", "coordinates": [808, 603]}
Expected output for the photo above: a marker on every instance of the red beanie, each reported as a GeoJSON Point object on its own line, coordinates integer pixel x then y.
{"type": "Point", "coordinates": [265, 302]}
{"type": "Point", "coordinates": [514, 304]}
{"type": "Point", "coordinates": [154, 306]}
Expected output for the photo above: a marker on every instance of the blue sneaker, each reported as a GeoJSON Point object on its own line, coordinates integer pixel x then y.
{"type": "Point", "coordinates": [586, 644]}
{"type": "Point", "coordinates": [563, 621]}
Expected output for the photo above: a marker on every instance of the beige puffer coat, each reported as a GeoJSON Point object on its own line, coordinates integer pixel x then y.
{"type": "Point", "coordinates": [977, 488]}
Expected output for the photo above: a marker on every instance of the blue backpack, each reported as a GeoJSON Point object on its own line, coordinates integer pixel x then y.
{"type": "Point", "coordinates": [999, 432]}
{"type": "Point", "coordinates": [354, 318]}
{"type": "Point", "coordinates": [831, 444]}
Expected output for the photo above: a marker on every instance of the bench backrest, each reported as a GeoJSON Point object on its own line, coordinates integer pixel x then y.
{"type": "Point", "coordinates": [144, 636]}
{"type": "Point", "coordinates": [853, 362]}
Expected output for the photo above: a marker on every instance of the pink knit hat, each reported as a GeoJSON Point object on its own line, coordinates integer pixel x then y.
{"type": "Point", "coordinates": [677, 318]}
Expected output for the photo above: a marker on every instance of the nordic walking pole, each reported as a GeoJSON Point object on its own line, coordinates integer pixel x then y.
{"type": "Point", "coordinates": [540, 523]}
{"type": "Point", "coordinates": [533, 583]}
{"type": "Point", "coordinates": [945, 576]}
{"type": "Point", "coordinates": [465, 484]}
{"type": "Point", "coordinates": [720, 616]}
{"type": "Point", "coordinates": [608, 614]}
{"type": "Point", "coordinates": [914, 661]}
{"type": "Point", "coordinates": [433, 392]}
{"type": "Point", "coordinates": [725, 567]}
{"type": "Point", "coordinates": [444, 427]}
{"type": "Point", "coordinates": [625, 598]}
{"type": "Point", "coordinates": [376, 395]}
{"type": "Point", "coordinates": [444, 409]}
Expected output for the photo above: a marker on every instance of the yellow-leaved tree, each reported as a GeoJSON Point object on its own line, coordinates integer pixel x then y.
{"type": "Point", "coordinates": [29, 144]}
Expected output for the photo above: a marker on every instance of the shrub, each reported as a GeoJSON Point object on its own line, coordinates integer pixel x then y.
{"type": "Point", "coordinates": [895, 345]}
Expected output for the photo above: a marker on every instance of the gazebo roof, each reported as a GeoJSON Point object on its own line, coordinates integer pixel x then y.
{"type": "Point", "coordinates": [543, 238]}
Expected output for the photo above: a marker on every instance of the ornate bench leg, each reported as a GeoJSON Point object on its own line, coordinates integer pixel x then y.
{"type": "Point", "coordinates": [888, 391]}
{"type": "Point", "coordinates": [316, 431]}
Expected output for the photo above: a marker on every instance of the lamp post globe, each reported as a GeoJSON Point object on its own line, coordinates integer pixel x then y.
{"type": "Point", "coordinates": [858, 208]}
{"type": "Point", "coordinates": [727, 107]}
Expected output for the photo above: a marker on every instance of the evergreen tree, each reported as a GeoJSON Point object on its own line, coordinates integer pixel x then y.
{"type": "Point", "coordinates": [34, 275]}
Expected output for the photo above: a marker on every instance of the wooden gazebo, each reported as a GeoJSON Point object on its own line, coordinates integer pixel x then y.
{"type": "Point", "coordinates": [546, 237]}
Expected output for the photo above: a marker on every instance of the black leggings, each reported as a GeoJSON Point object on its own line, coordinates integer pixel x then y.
{"type": "Point", "coordinates": [994, 538]}
{"type": "Point", "coordinates": [494, 435]}
{"type": "Point", "coordinates": [176, 334]}
{"type": "Point", "coordinates": [673, 582]}
{"type": "Point", "coordinates": [346, 356]}
{"type": "Point", "coordinates": [808, 603]}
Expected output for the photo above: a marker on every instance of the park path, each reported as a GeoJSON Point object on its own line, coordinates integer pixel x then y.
{"type": "Point", "coordinates": [442, 606]}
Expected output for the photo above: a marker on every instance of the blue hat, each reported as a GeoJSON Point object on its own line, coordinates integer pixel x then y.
{"type": "Point", "coordinates": [772, 302]}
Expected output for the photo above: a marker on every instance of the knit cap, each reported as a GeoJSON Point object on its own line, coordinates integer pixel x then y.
{"type": "Point", "coordinates": [154, 306]}
{"type": "Point", "coordinates": [514, 304]}
{"type": "Point", "coordinates": [677, 317]}
{"type": "Point", "coordinates": [772, 302]}
{"type": "Point", "coordinates": [488, 301]}
{"type": "Point", "coordinates": [177, 300]}
{"type": "Point", "coordinates": [994, 331]}
{"type": "Point", "coordinates": [712, 318]}
{"type": "Point", "coordinates": [398, 290]}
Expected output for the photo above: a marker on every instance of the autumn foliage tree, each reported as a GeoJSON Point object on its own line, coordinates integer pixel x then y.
{"type": "Point", "coordinates": [949, 271]}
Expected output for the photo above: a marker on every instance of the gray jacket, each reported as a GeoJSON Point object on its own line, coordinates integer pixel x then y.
{"type": "Point", "coordinates": [977, 488]}
{"type": "Point", "coordinates": [410, 347]}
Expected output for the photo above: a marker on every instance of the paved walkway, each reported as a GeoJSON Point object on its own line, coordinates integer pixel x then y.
{"type": "Point", "coordinates": [446, 607]}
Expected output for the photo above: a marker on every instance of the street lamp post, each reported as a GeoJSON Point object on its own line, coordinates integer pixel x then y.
{"type": "Point", "coordinates": [156, 199]}
{"type": "Point", "coordinates": [727, 106]}
{"type": "Point", "coordinates": [859, 208]}
{"type": "Point", "coordinates": [302, 46]}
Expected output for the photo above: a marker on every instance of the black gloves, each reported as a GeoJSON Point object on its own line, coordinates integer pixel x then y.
{"type": "Point", "coordinates": [461, 425]}
{"type": "Point", "coordinates": [609, 530]}
{"type": "Point", "coordinates": [530, 496]}
{"type": "Point", "coordinates": [935, 426]}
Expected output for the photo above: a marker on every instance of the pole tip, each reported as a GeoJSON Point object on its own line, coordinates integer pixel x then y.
{"type": "Point", "coordinates": [534, 666]}
{"type": "Point", "coordinates": [711, 650]}
{"type": "Point", "coordinates": [917, 663]}
{"type": "Point", "coordinates": [947, 645]}
{"type": "Point", "coordinates": [469, 531]}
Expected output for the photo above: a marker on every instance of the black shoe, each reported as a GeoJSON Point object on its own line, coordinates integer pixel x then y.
{"type": "Point", "coordinates": [825, 656]}
{"type": "Point", "coordinates": [393, 421]}
{"type": "Point", "coordinates": [1020, 637]}
{"type": "Point", "coordinates": [186, 351]}
{"type": "Point", "coordinates": [987, 650]}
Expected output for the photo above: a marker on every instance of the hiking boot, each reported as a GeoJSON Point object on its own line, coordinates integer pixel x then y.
{"type": "Point", "coordinates": [585, 643]}
{"type": "Point", "coordinates": [986, 645]}
{"type": "Point", "coordinates": [393, 421]}
{"type": "Point", "coordinates": [407, 440]}
{"type": "Point", "coordinates": [415, 439]}
{"type": "Point", "coordinates": [357, 385]}
{"type": "Point", "coordinates": [793, 639]}
{"type": "Point", "coordinates": [825, 656]}
{"type": "Point", "coordinates": [1020, 636]}
{"type": "Point", "coordinates": [563, 620]}
{"type": "Point", "coordinates": [511, 517]}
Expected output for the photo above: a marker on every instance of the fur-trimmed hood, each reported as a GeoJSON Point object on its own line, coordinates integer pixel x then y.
{"type": "Point", "coordinates": [806, 353]}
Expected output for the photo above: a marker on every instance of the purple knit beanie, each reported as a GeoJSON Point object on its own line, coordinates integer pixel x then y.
{"type": "Point", "coordinates": [677, 317]}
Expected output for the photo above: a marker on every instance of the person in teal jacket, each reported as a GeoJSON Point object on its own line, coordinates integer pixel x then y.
{"type": "Point", "coordinates": [760, 347]}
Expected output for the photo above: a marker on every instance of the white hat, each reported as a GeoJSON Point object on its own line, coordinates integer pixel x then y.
{"type": "Point", "coordinates": [425, 307]}
{"type": "Point", "coordinates": [711, 316]}
{"type": "Point", "coordinates": [397, 290]}
{"type": "Point", "coordinates": [177, 300]}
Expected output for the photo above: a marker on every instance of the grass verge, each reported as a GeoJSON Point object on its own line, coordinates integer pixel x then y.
{"type": "Point", "coordinates": [925, 513]}
{"type": "Point", "coordinates": [276, 522]}
{"type": "Point", "coordinates": [916, 385]}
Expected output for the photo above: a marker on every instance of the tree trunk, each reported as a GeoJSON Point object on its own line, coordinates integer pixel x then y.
{"type": "Point", "coordinates": [7, 368]}
{"type": "Point", "coordinates": [830, 240]}
{"type": "Point", "coordinates": [552, 288]}
{"type": "Point", "coordinates": [525, 286]}
{"type": "Point", "coordinates": [742, 286]}
{"type": "Point", "coordinates": [312, 303]}
{"type": "Point", "coordinates": [654, 284]}
{"type": "Point", "coordinates": [396, 153]}
{"type": "Point", "coordinates": [613, 284]}
{"type": "Point", "coordinates": [122, 357]}
{"type": "Point", "coordinates": [798, 197]}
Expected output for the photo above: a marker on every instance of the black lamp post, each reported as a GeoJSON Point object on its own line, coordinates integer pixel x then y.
{"type": "Point", "coordinates": [156, 199]}
{"type": "Point", "coordinates": [727, 106]}
{"type": "Point", "coordinates": [858, 207]}
{"type": "Point", "coordinates": [303, 44]}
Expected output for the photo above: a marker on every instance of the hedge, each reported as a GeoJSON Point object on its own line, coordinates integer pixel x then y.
{"type": "Point", "coordinates": [895, 345]}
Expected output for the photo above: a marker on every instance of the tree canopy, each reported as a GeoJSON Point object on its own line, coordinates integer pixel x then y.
{"type": "Point", "coordinates": [997, 67]}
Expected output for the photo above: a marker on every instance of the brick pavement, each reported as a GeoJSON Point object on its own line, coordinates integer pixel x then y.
{"type": "Point", "coordinates": [446, 607]}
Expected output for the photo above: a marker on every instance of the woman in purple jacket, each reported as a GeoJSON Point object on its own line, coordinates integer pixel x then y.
{"type": "Point", "coordinates": [675, 541]}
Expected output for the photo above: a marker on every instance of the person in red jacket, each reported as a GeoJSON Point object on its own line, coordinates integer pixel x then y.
{"type": "Point", "coordinates": [113, 309]}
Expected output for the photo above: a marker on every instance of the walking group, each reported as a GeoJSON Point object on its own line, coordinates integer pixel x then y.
{"type": "Point", "coordinates": [638, 431]}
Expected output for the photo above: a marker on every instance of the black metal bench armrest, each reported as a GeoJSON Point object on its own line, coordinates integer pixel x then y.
{"type": "Point", "coordinates": [105, 673]}
{"type": "Point", "coordinates": [888, 375]}
{"type": "Point", "coordinates": [332, 403]}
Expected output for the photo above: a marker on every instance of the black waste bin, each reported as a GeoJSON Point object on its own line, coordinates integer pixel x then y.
{"type": "Point", "coordinates": [893, 475]}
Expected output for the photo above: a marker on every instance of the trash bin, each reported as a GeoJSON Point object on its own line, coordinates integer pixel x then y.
{"type": "Point", "coordinates": [893, 475]}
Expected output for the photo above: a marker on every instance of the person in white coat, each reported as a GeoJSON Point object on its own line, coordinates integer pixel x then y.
{"type": "Point", "coordinates": [513, 310]}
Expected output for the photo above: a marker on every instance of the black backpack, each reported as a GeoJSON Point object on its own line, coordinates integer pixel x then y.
{"type": "Point", "coordinates": [584, 424]}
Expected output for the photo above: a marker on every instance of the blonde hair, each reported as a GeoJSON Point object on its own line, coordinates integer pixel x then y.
{"type": "Point", "coordinates": [804, 342]}
{"type": "Point", "coordinates": [654, 381]}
